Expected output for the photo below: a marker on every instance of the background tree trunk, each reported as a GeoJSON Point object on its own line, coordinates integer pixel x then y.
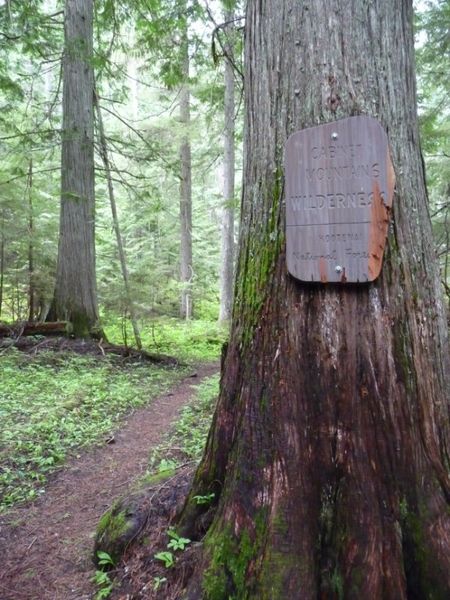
{"type": "Point", "coordinates": [31, 277]}
{"type": "Point", "coordinates": [186, 271]}
{"type": "Point", "coordinates": [103, 146]}
{"type": "Point", "coordinates": [75, 288]}
{"type": "Point", "coordinates": [227, 241]}
{"type": "Point", "coordinates": [2, 260]}
{"type": "Point", "coordinates": [329, 451]}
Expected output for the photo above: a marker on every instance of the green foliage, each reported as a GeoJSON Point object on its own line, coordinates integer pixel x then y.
{"type": "Point", "coordinates": [176, 542]}
{"type": "Point", "coordinates": [158, 582]}
{"type": "Point", "coordinates": [53, 404]}
{"type": "Point", "coordinates": [206, 499]}
{"type": "Point", "coordinates": [433, 66]}
{"type": "Point", "coordinates": [190, 431]}
{"type": "Point", "coordinates": [101, 579]}
{"type": "Point", "coordinates": [104, 559]}
{"type": "Point", "coordinates": [187, 340]}
{"type": "Point", "coordinates": [167, 558]}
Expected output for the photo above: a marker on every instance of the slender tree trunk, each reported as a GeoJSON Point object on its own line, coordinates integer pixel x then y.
{"type": "Point", "coordinates": [2, 261]}
{"type": "Point", "coordinates": [112, 200]}
{"type": "Point", "coordinates": [329, 451]}
{"type": "Point", "coordinates": [31, 282]}
{"type": "Point", "coordinates": [227, 237]}
{"type": "Point", "coordinates": [186, 270]}
{"type": "Point", "coordinates": [75, 289]}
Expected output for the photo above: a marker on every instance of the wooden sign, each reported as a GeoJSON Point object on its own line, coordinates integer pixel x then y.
{"type": "Point", "coordinates": [339, 189]}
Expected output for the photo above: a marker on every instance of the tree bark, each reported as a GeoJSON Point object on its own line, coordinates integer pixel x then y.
{"type": "Point", "coordinates": [186, 270]}
{"type": "Point", "coordinates": [75, 288]}
{"type": "Point", "coordinates": [227, 237]}
{"type": "Point", "coordinates": [329, 451]}
{"type": "Point", "coordinates": [29, 328]}
{"type": "Point", "coordinates": [31, 282]}
{"type": "Point", "coordinates": [2, 260]}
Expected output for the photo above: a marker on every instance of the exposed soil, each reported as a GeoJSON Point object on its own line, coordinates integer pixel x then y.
{"type": "Point", "coordinates": [46, 547]}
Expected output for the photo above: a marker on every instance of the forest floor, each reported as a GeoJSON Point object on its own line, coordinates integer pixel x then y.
{"type": "Point", "coordinates": [46, 547]}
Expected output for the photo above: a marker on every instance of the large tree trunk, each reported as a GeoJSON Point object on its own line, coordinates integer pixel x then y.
{"type": "Point", "coordinates": [329, 451]}
{"type": "Point", "coordinates": [75, 291]}
{"type": "Point", "coordinates": [227, 237]}
{"type": "Point", "coordinates": [186, 271]}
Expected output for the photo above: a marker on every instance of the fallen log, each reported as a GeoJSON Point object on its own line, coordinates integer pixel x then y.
{"type": "Point", "coordinates": [57, 343]}
{"type": "Point", "coordinates": [22, 328]}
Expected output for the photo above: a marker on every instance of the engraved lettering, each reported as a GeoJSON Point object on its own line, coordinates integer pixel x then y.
{"type": "Point", "coordinates": [349, 200]}
{"type": "Point", "coordinates": [340, 200]}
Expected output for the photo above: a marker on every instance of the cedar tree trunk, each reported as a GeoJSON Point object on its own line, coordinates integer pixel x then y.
{"type": "Point", "coordinates": [227, 234]}
{"type": "Point", "coordinates": [186, 271]}
{"type": "Point", "coordinates": [75, 288]}
{"type": "Point", "coordinates": [31, 274]}
{"type": "Point", "coordinates": [329, 451]}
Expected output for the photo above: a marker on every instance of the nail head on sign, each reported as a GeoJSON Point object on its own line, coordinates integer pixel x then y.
{"type": "Point", "coordinates": [334, 136]}
{"type": "Point", "coordinates": [338, 269]}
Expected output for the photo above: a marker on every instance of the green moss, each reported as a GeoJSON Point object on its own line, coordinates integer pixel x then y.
{"type": "Point", "coordinates": [280, 524]}
{"type": "Point", "coordinates": [112, 530]}
{"type": "Point", "coordinates": [228, 576]}
{"type": "Point", "coordinates": [277, 571]}
{"type": "Point", "coordinates": [264, 245]}
{"type": "Point", "coordinates": [115, 524]}
{"type": "Point", "coordinates": [81, 325]}
{"type": "Point", "coordinates": [422, 571]}
{"type": "Point", "coordinates": [337, 584]}
{"type": "Point", "coordinates": [159, 476]}
{"type": "Point", "coordinates": [401, 354]}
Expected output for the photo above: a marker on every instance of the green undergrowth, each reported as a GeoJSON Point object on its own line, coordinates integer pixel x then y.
{"type": "Point", "coordinates": [194, 340]}
{"type": "Point", "coordinates": [55, 403]}
{"type": "Point", "coordinates": [187, 439]}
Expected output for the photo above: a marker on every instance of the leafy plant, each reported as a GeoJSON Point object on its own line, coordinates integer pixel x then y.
{"type": "Point", "coordinates": [105, 559]}
{"type": "Point", "coordinates": [166, 557]}
{"type": "Point", "coordinates": [177, 542]}
{"type": "Point", "coordinates": [101, 579]}
{"type": "Point", "coordinates": [207, 499]}
{"type": "Point", "coordinates": [157, 582]}
{"type": "Point", "coordinates": [166, 465]}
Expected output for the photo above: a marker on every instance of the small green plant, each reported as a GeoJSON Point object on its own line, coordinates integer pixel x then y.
{"type": "Point", "coordinates": [104, 583]}
{"type": "Point", "coordinates": [207, 499]}
{"type": "Point", "coordinates": [177, 542]}
{"type": "Point", "coordinates": [105, 559]}
{"type": "Point", "coordinates": [167, 558]}
{"type": "Point", "coordinates": [101, 579]}
{"type": "Point", "coordinates": [158, 581]}
{"type": "Point", "coordinates": [167, 464]}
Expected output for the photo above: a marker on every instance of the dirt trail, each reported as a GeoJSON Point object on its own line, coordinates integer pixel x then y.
{"type": "Point", "coordinates": [46, 547]}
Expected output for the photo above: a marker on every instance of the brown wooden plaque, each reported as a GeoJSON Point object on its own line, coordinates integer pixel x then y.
{"type": "Point", "coordinates": [339, 189]}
